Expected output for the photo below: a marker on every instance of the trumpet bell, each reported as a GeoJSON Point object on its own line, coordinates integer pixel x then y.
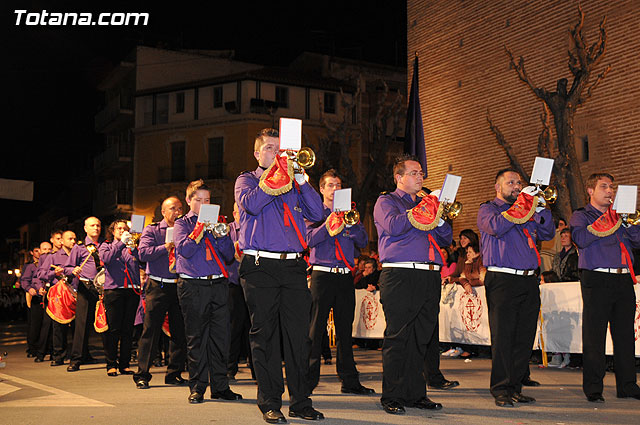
{"type": "Point", "coordinates": [305, 158]}
{"type": "Point", "coordinates": [352, 217]}
{"type": "Point", "coordinates": [134, 241]}
{"type": "Point", "coordinates": [220, 229]}
{"type": "Point", "coordinates": [453, 210]}
{"type": "Point", "coordinates": [633, 219]}
{"type": "Point", "coordinates": [550, 194]}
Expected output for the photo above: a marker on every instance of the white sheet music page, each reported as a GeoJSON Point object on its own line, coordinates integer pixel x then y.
{"type": "Point", "coordinates": [290, 134]}
{"type": "Point", "coordinates": [137, 223]}
{"type": "Point", "coordinates": [626, 199]}
{"type": "Point", "coordinates": [342, 200]}
{"type": "Point", "coordinates": [169, 236]}
{"type": "Point", "coordinates": [542, 169]}
{"type": "Point", "coordinates": [209, 213]}
{"type": "Point", "coordinates": [449, 188]}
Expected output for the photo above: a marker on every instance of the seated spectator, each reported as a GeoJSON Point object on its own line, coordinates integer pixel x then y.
{"type": "Point", "coordinates": [549, 277]}
{"type": "Point", "coordinates": [565, 262]}
{"type": "Point", "coordinates": [370, 276]}
{"type": "Point", "coordinates": [471, 272]}
{"type": "Point", "coordinates": [449, 261]}
{"type": "Point", "coordinates": [357, 272]}
{"type": "Point", "coordinates": [467, 237]}
{"type": "Point", "coordinates": [548, 249]}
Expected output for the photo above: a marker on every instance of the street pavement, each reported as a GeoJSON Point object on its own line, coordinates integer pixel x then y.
{"type": "Point", "coordinates": [36, 393]}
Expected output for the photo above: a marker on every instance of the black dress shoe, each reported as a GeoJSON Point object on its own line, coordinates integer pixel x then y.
{"type": "Point", "coordinates": [175, 380]}
{"type": "Point", "coordinates": [308, 413]}
{"type": "Point", "coordinates": [142, 384]}
{"type": "Point", "coordinates": [444, 385]}
{"type": "Point", "coordinates": [73, 367]}
{"type": "Point", "coordinates": [528, 382]}
{"type": "Point", "coordinates": [112, 372]}
{"type": "Point", "coordinates": [425, 403]}
{"type": "Point", "coordinates": [57, 362]}
{"type": "Point", "coordinates": [636, 396]}
{"type": "Point", "coordinates": [89, 360]}
{"type": "Point", "coordinates": [595, 398]}
{"type": "Point", "coordinates": [504, 401]}
{"type": "Point", "coordinates": [196, 397]}
{"type": "Point", "coordinates": [274, 417]}
{"type": "Point", "coordinates": [521, 398]}
{"type": "Point", "coordinates": [360, 389]}
{"type": "Point", "coordinates": [38, 359]}
{"type": "Point", "coordinates": [393, 407]}
{"type": "Point", "coordinates": [226, 395]}
{"type": "Point", "coordinates": [126, 371]}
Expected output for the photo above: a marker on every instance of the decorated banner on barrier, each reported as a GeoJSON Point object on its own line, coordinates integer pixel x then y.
{"type": "Point", "coordinates": [464, 317]}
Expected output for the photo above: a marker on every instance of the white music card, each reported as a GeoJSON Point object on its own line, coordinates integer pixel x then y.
{"type": "Point", "coordinates": [342, 200]}
{"type": "Point", "coordinates": [542, 169]}
{"type": "Point", "coordinates": [137, 223]}
{"type": "Point", "coordinates": [626, 199]}
{"type": "Point", "coordinates": [169, 236]}
{"type": "Point", "coordinates": [209, 213]}
{"type": "Point", "coordinates": [449, 188]}
{"type": "Point", "coordinates": [290, 134]}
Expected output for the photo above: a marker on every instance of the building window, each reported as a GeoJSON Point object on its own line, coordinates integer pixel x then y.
{"type": "Point", "coordinates": [162, 109]}
{"type": "Point", "coordinates": [217, 97]}
{"type": "Point", "coordinates": [178, 162]}
{"type": "Point", "coordinates": [216, 161]}
{"type": "Point", "coordinates": [148, 111]}
{"type": "Point", "coordinates": [330, 103]}
{"type": "Point", "coordinates": [585, 148]}
{"type": "Point", "coordinates": [179, 103]}
{"type": "Point", "coordinates": [282, 96]}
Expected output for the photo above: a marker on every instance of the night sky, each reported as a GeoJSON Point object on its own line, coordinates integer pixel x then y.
{"type": "Point", "coordinates": [51, 72]}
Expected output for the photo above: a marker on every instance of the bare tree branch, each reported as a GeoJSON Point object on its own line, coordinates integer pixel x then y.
{"type": "Point", "coordinates": [599, 47]}
{"type": "Point", "coordinates": [593, 86]}
{"type": "Point", "coordinates": [513, 158]}
{"type": "Point", "coordinates": [544, 139]}
{"type": "Point", "coordinates": [520, 69]}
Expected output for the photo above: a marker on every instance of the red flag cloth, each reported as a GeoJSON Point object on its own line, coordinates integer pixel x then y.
{"type": "Point", "coordinates": [211, 251]}
{"type": "Point", "coordinates": [62, 304]}
{"type": "Point", "coordinates": [426, 215]}
{"type": "Point", "coordinates": [607, 224]}
{"type": "Point", "coordinates": [334, 223]}
{"type": "Point", "coordinates": [532, 244]}
{"type": "Point", "coordinates": [340, 256]}
{"type": "Point", "coordinates": [100, 321]}
{"type": "Point", "coordinates": [172, 260]}
{"type": "Point", "coordinates": [522, 210]}
{"type": "Point", "coordinates": [626, 259]}
{"type": "Point", "coordinates": [289, 220]}
{"type": "Point", "coordinates": [432, 256]}
{"type": "Point", "coordinates": [197, 232]}
{"type": "Point", "coordinates": [278, 178]}
{"type": "Point", "coordinates": [165, 326]}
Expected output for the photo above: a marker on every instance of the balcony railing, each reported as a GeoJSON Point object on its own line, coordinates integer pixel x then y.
{"type": "Point", "coordinates": [115, 154]}
{"type": "Point", "coordinates": [120, 105]}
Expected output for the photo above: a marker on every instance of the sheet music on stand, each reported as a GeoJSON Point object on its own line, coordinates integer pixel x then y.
{"type": "Point", "coordinates": [626, 199]}
{"type": "Point", "coordinates": [209, 213]}
{"type": "Point", "coordinates": [290, 134]}
{"type": "Point", "coordinates": [449, 188]}
{"type": "Point", "coordinates": [542, 169]}
{"type": "Point", "coordinates": [342, 200]}
{"type": "Point", "coordinates": [137, 223]}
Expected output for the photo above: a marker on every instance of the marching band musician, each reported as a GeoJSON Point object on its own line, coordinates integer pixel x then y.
{"type": "Point", "coordinates": [604, 243]}
{"type": "Point", "coordinates": [273, 275]}
{"type": "Point", "coordinates": [87, 298]}
{"type": "Point", "coordinates": [203, 294]}
{"type": "Point", "coordinates": [35, 308]}
{"type": "Point", "coordinates": [52, 270]}
{"type": "Point", "coordinates": [161, 298]}
{"type": "Point", "coordinates": [122, 277]}
{"type": "Point", "coordinates": [509, 226]}
{"type": "Point", "coordinates": [333, 248]}
{"type": "Point", "coordinates": [43, 343]}
{"type": "Point", "coordinates": [410, 231]}
{"type": "Point", "coordinates": [45, 339]}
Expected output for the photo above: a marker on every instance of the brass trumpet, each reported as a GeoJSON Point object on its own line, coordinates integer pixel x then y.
{"type": "Point", "coordinates": [352, 217]}
{"type": "Point", "coordinates": [632, 219]}
{"type": "Point", "coordinates": [305, 157]}
{"type": "Point", "coordinates": [218, 230]}
{"type": "Point", "coordinates": [452, 210]}
{"type": "Point", "coordinates": [550, 194]}
{"type": "Point", "coordinates": [134, 241]}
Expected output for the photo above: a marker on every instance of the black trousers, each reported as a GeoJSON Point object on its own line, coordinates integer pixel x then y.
{"type": "Point", "coordinates": [279, 304]}
{"type": "Point", "coordinates": [45, 336]}
{"type": "Point", "coordinates": [161, 299]}
{"type": "Point", "coordinates": [206, 322]}
{"type": "Point", "coordinates": [608, 299]}
{"type": "Point", "coordinates": [59, 340]}
{"type": "Point", "coordinates": [410, 300]}
{"type": "Point", "coordinates": [240, 325]}
{"type": "Point", "coordinates": [121, 306]}
{"type": "Point", "coordinates": [332, 290]}
{"type": "Point", "coordinates": [85, 316]}
{"type": "Point", "coordinates": [35, 323]}
{"type": "Point", "coordinates": [514, 305]}
{"type": "Point", "coordinates": [432, 372]}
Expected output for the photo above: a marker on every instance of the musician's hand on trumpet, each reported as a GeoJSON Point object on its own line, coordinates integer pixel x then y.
{"type": "Point", "coordinates": [629, 220]}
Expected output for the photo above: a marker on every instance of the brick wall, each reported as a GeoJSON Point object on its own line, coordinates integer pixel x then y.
{"type": "Point", "coordinates": [464, 70]}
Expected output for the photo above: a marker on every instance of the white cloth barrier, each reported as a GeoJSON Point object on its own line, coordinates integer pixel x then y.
{"type": "Point", "coordinates": [464, 317]}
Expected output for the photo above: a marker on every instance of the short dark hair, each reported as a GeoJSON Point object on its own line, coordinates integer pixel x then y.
{"type": "Point", "coordinates": [550, 276]}
{"type": "Point", "coordinates": [55, 232]}
{"type": "Point", "coordinates": [112, 227]}
{"type": "Point", "coordinates": [471, 235]}
{"type": "Point", "coordinates": [399, 164]}
{"type": "Point", "coordinates": [592, 180]}
{"type": "Point", "coordinates": [329, 173]}
{"type": "Point", "coordinates": [506, 170]}
{"type": "Point", "coordinates": [565, 230]}
{"type": "Point", "coordinates": [371, 261]}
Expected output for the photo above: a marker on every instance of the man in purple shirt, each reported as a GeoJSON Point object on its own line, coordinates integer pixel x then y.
{"type": "Point", "coordinates": [605, 244]}
{"type": "Point", "coordinates": [33, 302]}
{"type": "Point", "coordinates": [52, 270]}
{"type": "Point", "coordinates": [509, 226]}
{"type": "Point", "coordinates": [161, 298]}
{"type": "Point", "coordinates": [332, 286]}
{"type": "Point", "coordinates": [409, 232]}
{"type": "Point", "coordinates": [203, 293]}
{"type": "Point", "coordinates": [87, 297]}
{"type": "Point", "coordinates": [274, 278]}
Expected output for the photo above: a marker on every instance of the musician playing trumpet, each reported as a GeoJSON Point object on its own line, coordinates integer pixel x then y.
{"type": "Point", "coordinates": [333, 246]}
{"type": "Point", "coordinates": [121, 296]}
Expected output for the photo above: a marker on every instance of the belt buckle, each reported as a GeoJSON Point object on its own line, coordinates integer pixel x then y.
{"type": "Point", "coordinates": [283, 256]}
{"type": "Point", "coordinates": [618, 271]}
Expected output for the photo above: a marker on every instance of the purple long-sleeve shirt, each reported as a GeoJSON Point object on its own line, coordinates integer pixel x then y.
{"type": "Point", "coordinates": [596, 252]}
{"type": "Point", "coordinates": [398, 240]}
{"type": "Point", "coordinates": [152, 250]}
{"type": "Point", "coordinates": [77, 256]}
{"type": "Point", "coordinates": [262, 221]}
{"type": "Point", "coordinates": [191, 257]}
{"type": "Point", "coordinates": [121, 263]}
{"type": "Point", "coordinates": [323, 246]}
{"type": "Point", "coordinates": [47, 275]}
{"type": "Point", "coordinates": [27, 275]}
{"type": "Point", "coordinates": [504, 244]}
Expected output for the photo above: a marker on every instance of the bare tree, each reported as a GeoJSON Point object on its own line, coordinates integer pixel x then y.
{"type": "Point", "coordinates": [563, 104]}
